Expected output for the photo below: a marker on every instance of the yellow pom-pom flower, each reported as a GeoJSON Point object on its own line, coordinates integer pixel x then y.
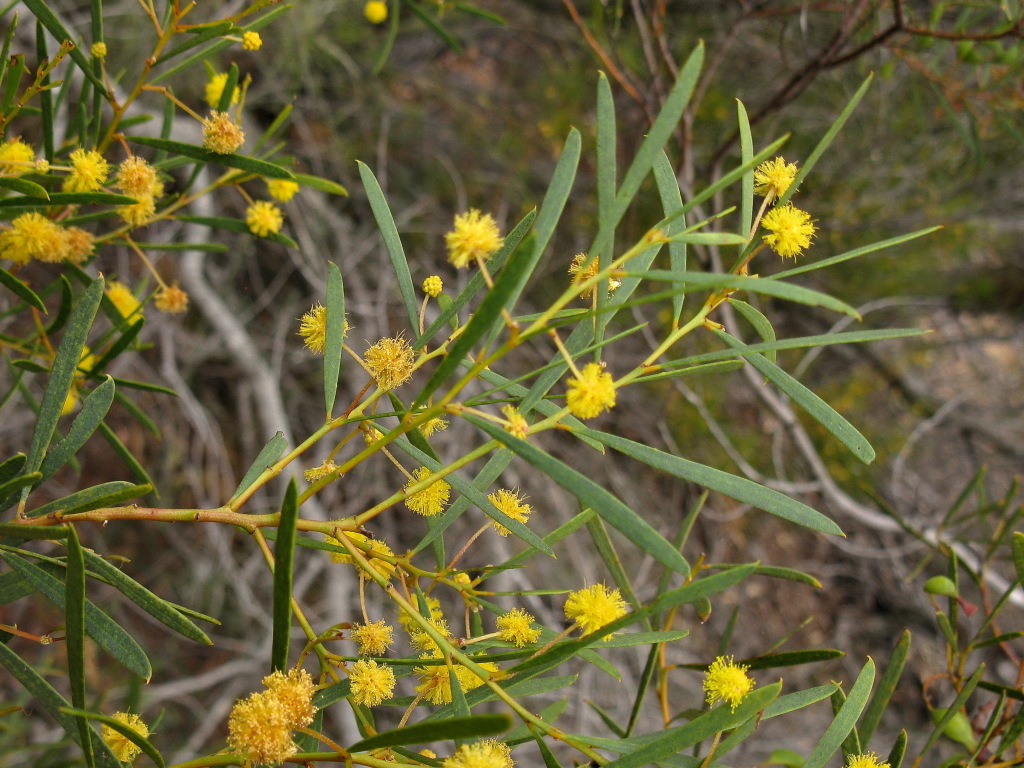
{"type": "Point", "coordinates": [98, 50]}
{"type": "Point", "coordinates": [376, 11]}
{"type": "Point", "coordinates": [33, 236]}
{"type": "Point", "coordinates": [215, 89]}
{"type": "Point", "coordinates": [432, 286]}
{"type": "Point", "coordinates": [513, 504]}
{"type": "Point", "coordinates": [390, 362]}
{"type": "Point", "coordinates": [867, 760]}
{"type": "Point", "coordinates": [791, 230]}
{"type": "Point", "coordinates": [136, 177]}
{"type": "Point", "coordinates": [483, 754]}
{"type": "Point", "coordinates": [434, 425]}
{"type": "Point", "coordinates": [516, 627]}
{"type": "Point", "coordinates": [374, 638]}
{"type": "Point", "coordinates": [264, 218]}
{"type": "Point", "coordinates": [433, 609]}
{"type": "Point", "coordinates": [594, 607]}
{"type": "Point", "coordinates": [78, 244]}
{"type": "Point", "coordinates": [475, 237]}
{"type": "Point", "coordinates": [88, 171]}
{"type": "Point", "coordinates": [123, 748]}
{"type": "Point", "coordinates": [251, 41]}
{"type": "Point", "coordinates": [592, 393]}
{"type": "Point", "coordinates": [282, 189]}
{"type": "Point", "coordinates": [258, 730]}
{"type": "Point", "coordinates": [517, 425]}
{"type": "Point", "coordinates": [371, 682]}
{"type": "Point", "coordinates": [431, 500]}
{"type": "Point", "coordinates": [383, 567]}
{"type": "Point", "coordinates": [773, 177]}
{"type": "Point", "coordinates": [294, 692]}
{"type": "Point", "coordinates": [581, 274]}
{"type": "Point", "coordinates": [171, 299]}
{"type": "Point", "coordinates": [221, 134]}
{"type": "Point", "coordinates": [313, 329]}
{"type": "Point", "coordinates": [435, 683]}
{"type": "Point", "coordinates": [123, 299]}
{"type": "Point", "coordinates": [727, 681]}
{"type": "Point", "coordinates": [16, 157]}
{"type": "Point", "coordinates": [319, 472]}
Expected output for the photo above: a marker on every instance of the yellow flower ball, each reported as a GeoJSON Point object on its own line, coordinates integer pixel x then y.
{"type": "Point", "coordinates": [376, 11]}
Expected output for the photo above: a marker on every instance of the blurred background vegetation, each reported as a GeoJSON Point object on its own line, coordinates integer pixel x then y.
{"type": "Point", "coordinates": [475, 116]}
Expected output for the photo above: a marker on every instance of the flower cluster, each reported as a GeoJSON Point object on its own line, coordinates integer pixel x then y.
{"type": "Point", "coordinates": [790, 230]}
{"type": "Point", "coordinates": [260, 727]}
{"type": "Point", "coordinates": [727, 681]}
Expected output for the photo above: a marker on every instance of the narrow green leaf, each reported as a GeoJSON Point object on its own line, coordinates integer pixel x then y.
{"type": "Point", "coordinates": [607, 175]}
{"type": "Point", "coordinates": [335, 334]}
{"type": "Point", "coordinates": [791, 702]}
{"type": "Point", "coordinates": [65, 363]}
{"type": "Point", "coordinates": [436, 730]}
{"type": "Point", "coordinates": [32, 532]}
{"type": "Point", "coordinates": [332, 693]}
{"type": "Point", "coordinates": [733, 486]}
{"type": "Point", "coordinates": [716, 281]}
{"type": "Point", "coordinates": [801, 342]}
{"type": "Point", "coordinates": [149, 602]}
{"type": "Point", "coordinates": [780, 572]}
{"type": "Point", "coordinates": [100, 627]}
{"type": "Point", "coordinates": [609, 723]}
{"type": "Point", "coordinates": [125, 730]}
{"type": "Point", "coordinates": [31, 478]}
{"type": "Point", "coordinates": [94, 408]}
{"type": "Point", "coordinates": [761, 324]}
{"type": "Point", "coordinates": [746, 153]}
{"type": "Point", "coordinates": [130, 330]}
{"type": "Point", "coordinates": [236, 225]}
{"type": "Point", "coordinates": [793, 658]}
{"type": "Point", "coordinates": [863, 250]}
{"type": "Point", "coordinates": [1012, 732]}
{"type": "Point", "coordinates": [815, 407]}
{"type": "Point", "coordinates": [228, 91]}
{"type": "Point", "coordinates": [954, 710]}
{"type": "Point", "coordinates": [1017, 546]}
{"type": "Point", "coordinates": [241, 162]}
{"type": "Point", "coordinates": [284, 560]}
{"type": "Point", "coordinates": [671, 204]}
{"type": "Point", "coordinates": [12, 467]}
{"type": "Point", "coordinates": [54, 704]}
{"type": "Point", "coordinates": [322, 185]}
{"type": "Point", "coordinates": [590, 494]}
{"type": "Point", "coordinates": [550, 761]}
{"type": "Point", "coordinates": [487, 315]}
{"type": "Point", "coordinates": [271, 452]}
{"type": "Point", "coordinates": [67, 301]}
{"type": "Point", "coordinates": [74, 623]}
{"type": "Point", "coordinates": [70, 198]}
{"type": "Point", "coordinates": [48, 19]}
{"type": "Point", "coordinates": [845, 719]}
{"type": "Point", "coordinates": [392, 242]}
{"type": "Point", "coordinates": [899, 750]}
{"type": "Point", "coordinates": [886, 688]}
{"type": "Point", "coordinates": [606, 549]}
{"type": "Point", "coordinates": [103, 495]}
{"type": "Point", "coordinates": [127, 457]}
{"type": "Point", "coordinates": [661, 130]}
{"type": "Point", "coordinates": [704, 727]}
{"type": "Point", "coordinates": [24, 186]}
{"type": "Point", "coordinates": [21, 290]}
{"type": "Point", "coordinates": [826, 140]}
{"type": "Point", "coordinates": [204, 247]}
